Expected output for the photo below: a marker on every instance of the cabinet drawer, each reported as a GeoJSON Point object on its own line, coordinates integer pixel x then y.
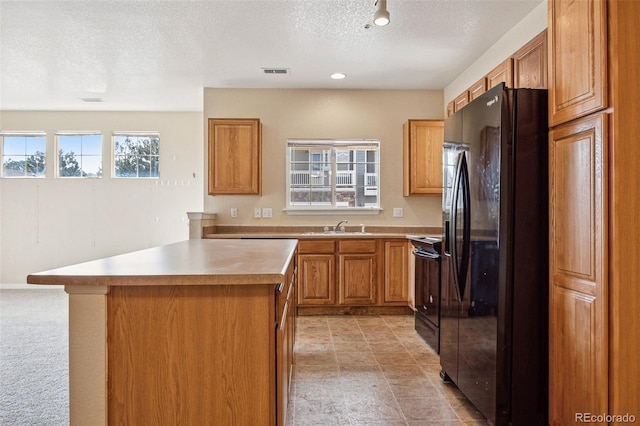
{"type": "Point", "coordinates": [357, 246]}
{"type": "Point", "coordinates": [316, 246]}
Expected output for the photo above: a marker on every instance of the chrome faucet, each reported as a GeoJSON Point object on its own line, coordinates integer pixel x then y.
{"type": "Point", "coordinates": [337, 227]}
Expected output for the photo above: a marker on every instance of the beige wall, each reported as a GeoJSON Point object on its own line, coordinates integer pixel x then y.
{"type": "Point", "coordinates": [352, 114]}
{"type": "Point", "coordinates": [52, 222]}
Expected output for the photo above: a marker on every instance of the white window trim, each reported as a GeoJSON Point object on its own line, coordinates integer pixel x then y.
{"type": "Point", "coordinates": [330, 210]}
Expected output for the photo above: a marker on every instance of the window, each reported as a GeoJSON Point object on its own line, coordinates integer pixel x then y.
{"type": "Point", "coordinates": [333, 174]}
{"type": "Point", "coordinates": [23, 154]}
{"type": "Point", "coordinates": [136, 154]}
{"type": "Point", "coordinates": [79, 154]}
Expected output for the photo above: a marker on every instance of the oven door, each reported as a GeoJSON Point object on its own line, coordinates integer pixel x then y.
{"type": "Point", "coordinates": [427, 296]}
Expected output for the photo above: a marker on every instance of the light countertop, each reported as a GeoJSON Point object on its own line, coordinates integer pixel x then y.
{"type": "Point", "coordinates": [191, 262]}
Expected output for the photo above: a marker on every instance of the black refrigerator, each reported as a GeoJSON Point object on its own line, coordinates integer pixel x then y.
{"type": "Point", "coordinates": [494, 318]}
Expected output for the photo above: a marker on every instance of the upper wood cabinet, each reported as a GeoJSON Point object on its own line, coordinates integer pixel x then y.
{"type": "Point", "coordinates": [450, 108]}
{"type": "Point", "coordinates": [577, 59]}
{"type": "Point", "coordinates": [477, 89]}
{"type": "Point", "coordinates": [530, 64]}
{"type": "Point", "coordinates": [527, 68]}
{"type": "Point", "coordinates": [422, 159]}
{"type": "Point", "coordinates": [235, 156]}
{"type": "Point", "coordinates": [460, 101]}
{"type": "Point", "coordinates": [503, 73]}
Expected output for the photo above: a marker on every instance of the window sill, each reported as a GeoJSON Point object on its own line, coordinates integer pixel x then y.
{"type": "Point", "coordinates": [332, 211]}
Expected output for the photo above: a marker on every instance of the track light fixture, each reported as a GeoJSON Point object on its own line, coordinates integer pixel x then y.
{"type": "Point", "coordinates": [381, 16]}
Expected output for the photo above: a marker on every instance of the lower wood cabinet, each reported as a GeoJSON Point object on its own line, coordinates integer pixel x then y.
{"type": "Point", "coordinates": [285, 340]}
{"type": "Point", "coordinates": [316, 272]}
{"type": "Point", "coordinates": [358, 278]}
{"type": "Point", "coordinates": [396, 274]}
{"type": "Point", "coordinates": [353, 272]}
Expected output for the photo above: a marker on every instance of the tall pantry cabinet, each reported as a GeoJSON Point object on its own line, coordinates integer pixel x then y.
{"type": "Point", "coordinates": [594, 148]}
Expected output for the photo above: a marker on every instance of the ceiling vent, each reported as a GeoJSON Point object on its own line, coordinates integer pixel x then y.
{"type": "Point", "coordinates": [279, 71]}
{"type": "Point", "coordinates": [91, 99]}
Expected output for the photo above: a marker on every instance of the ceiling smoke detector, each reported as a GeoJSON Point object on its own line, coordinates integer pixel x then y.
{"type": "Point", "coordinates": [279, 71]}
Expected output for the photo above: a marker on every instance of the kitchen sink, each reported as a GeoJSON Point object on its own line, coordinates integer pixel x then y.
{"type": "Point", "coordinates": [334, 233]}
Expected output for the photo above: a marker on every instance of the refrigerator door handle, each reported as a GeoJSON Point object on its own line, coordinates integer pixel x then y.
{"type": "Point", "coordinates": [460, 261]}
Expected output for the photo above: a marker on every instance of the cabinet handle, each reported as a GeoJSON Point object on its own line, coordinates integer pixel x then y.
{"type": "Point", "coordinates": [280, 287]}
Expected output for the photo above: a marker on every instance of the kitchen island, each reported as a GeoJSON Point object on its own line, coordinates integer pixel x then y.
{"type": "Point", "coordinates": [196, 332]}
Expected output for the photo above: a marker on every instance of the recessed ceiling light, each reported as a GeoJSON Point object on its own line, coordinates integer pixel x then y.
{"type": "Point", "coordinates": [91, 99]}
{"type": "Point", "coordinates": [338, 75]}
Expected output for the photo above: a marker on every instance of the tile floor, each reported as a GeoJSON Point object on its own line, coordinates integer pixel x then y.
{"type": "Point", "coordinates": [370, 370]}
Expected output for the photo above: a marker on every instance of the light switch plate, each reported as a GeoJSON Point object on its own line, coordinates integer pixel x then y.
{"type": "Point", "coordinates": [257, 213]}
{"type": "Point", "coordinates": [398, 212]}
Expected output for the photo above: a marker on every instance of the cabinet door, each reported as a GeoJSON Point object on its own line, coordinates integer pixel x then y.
{"type": "Point", "coordinates": [477, 89]}
{"type": "Point", "coordinates": [460, 101]}
{"type": "Point", "coordinates": [530, 64]}
{"type": "Point", "coordinates": [503, 73]}
{"type": "Point", "coordinates": [422, 151]}
{"type": "Point", "coordinates": [578, 283]}
{"type": "Point", "coordinates": [316, 279]}
{"type": "Point", "coordinates": [450, 109]}
{"type": "Point", "coordinates": [396, 271]}
{"type": "Point", "coordinates": [578, 59]}
{"type": "Point", "coordinates": [358, 279]}
{"type": "Point", "coordinates": [234, 156]}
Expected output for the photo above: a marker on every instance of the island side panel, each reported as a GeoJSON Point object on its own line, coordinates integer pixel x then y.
{"type": "Point", "coordinates": [87, 354]}
{"type": "Point", "coordinates": [191, 354]}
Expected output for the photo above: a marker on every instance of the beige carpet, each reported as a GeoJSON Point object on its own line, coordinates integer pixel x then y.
{"type": "Point", "coordinates": [34, 354]}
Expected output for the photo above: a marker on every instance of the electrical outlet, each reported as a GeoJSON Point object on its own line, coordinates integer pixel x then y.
{"type": "Point", "coordinates": [266, 212]}
{"type": "Point", "coordinates": [398, 212]}
{"type": "Point", "coordinates": [257, 213]}
{"type": "Point", "coordinates": [234, 212]}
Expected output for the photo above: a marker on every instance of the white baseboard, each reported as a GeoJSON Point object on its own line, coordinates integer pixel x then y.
{"type": "Point", "coordinates": [25, 286]}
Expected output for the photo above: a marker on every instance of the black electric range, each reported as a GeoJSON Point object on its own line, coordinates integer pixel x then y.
{"type": "Point", "coordinates": [427, 252]}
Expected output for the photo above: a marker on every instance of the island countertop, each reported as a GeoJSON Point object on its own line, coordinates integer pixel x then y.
{"type": "Point", "coordinates": [191, 262]}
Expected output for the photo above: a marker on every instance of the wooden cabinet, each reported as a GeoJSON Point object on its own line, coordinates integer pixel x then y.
{"type": "Point", "coordinates": [396, 274]}
{"type": "Point", "coordinates": [357, 272]}
{"type": "Point", "coordinates": [316, 272]}
{"type": "Point", "coordinates": [422, 157]}
{"type": "Point", "coordinates": [578, 59]}
{"type": "Point", "coordinates": [460, 101]}
{"type": "Point", "coordinates": [578, 347]}
{"type": "Point", "coordinates": [361, 273]}
{"type": "Point", "coordinates": [594, 80]}
{"type": "Point", "coordinates": [503, 73]}
{"type": "Point", "coordinates": [285, 340]}
{"type": "Point", "coordinates": [235, 156]}
{"type": "Point", "coordinates": [526, 68]}
{"type": "Point", "coordinates": [450, 108]}
{"type": "Point", "coordinates": [477, 89]}
{"type": "Point", "coordinates": [530, 64]}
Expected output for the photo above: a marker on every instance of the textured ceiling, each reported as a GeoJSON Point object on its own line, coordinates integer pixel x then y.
{"type": "Point", "coordinates": [158, 55]}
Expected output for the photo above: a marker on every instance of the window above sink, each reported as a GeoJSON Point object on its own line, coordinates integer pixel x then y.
{"type": "Point", "coordinates": [327, 176]}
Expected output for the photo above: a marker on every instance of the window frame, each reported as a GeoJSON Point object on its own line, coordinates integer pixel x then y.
{"type": "Point", "coordinates": [136, 134]}
{"type": "Point", "coordinates": [77, 133]}
{"type": "Point", "coordinates": [333, 145]}
{"type": "Point", "coordinates": [23, 133]}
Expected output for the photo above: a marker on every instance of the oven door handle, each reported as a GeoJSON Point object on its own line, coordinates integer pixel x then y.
{"type": "Point", "coordinates": [426, 255]}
